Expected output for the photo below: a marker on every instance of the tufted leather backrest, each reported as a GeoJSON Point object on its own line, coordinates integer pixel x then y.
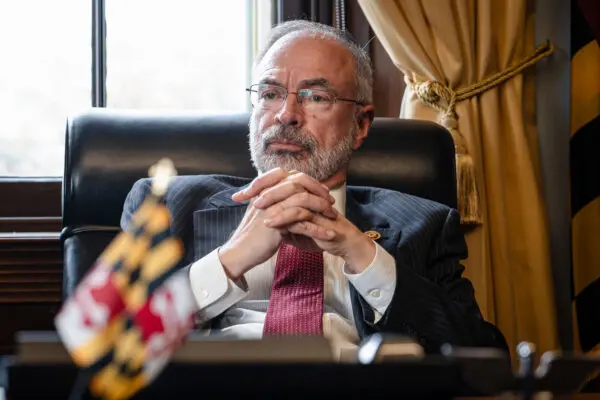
{"type": "Point", "coordinates": [108, 150]}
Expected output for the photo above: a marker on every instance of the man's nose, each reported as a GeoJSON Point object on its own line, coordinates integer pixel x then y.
{"type": "Point", "coordinates": [291, 111]}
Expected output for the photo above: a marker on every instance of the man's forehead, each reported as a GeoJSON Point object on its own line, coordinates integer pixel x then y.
{"type": "Point", "coordinates": [306, 57]}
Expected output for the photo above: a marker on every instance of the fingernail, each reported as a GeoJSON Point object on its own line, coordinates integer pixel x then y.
{"type": "Point", "coordinates": [331, 199]}
{"type": "Point", "coordinates": [330, 234]}
{"type": "Point", "coordinates": [267, 221]}
{"type": "Point", "coordinates": [259, 202]}
{"type": "Point", "coordinates": [325, 187]}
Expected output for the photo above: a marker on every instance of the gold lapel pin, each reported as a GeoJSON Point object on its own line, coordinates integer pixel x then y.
{"type": "Point", "coordinates": [373, 235]}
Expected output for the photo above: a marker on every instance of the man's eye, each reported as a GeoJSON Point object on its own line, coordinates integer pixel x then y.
{"type": "Point", "coordinates": [319, 98]}
{"type": "Point", "coordinates": [269, 95]}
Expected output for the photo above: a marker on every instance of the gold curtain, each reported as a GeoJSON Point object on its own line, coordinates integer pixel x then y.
{"type": "Point", "coordinates": [459, 43]}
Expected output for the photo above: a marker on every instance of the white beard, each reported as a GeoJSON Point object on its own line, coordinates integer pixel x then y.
{"type": "Point", "coordinates": [316, 162]}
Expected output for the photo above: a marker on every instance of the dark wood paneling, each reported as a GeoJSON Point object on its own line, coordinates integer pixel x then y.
{"type": "Point", "coordinates": [30, 269]}
{"type": "Point", "coordinates": [388, 85]}
{"type": "Point", "coordinates": [30, 197]}
{"type": "Point", "coordinates": [30, 224]}
{"type": "Point", "coordinates": [30, 284]}
{"type": "Point", "coordinates": [315, 10]}
{"type": "Point", "coordinates": [357, 25]}
{"type": "Point", "coordinates": [24, 317]}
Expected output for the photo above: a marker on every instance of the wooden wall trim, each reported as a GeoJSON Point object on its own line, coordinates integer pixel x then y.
{"type": "Point", "coordinates": [30, 269]}
{"type": "Point", "coordinates": [30, 197]}
{"type": "Point", "coordinates": [30, 284]}
{"type": "Point", "coordinates": [30, 224]}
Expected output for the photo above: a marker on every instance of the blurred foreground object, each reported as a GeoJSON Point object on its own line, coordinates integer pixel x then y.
{"type": "Point", "coordinates": [134, 308]}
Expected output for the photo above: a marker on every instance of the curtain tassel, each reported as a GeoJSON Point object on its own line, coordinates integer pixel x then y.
{"type": "Point", "coordinates": [468, 204]}
{"type": "Point", "coordinates": [466, 183]}
{"type": "Point", "coordinates": [443, 99]}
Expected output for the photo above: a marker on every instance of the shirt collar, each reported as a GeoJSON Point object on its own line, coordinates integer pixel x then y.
{"type": "Point", "coordinates": [339, 194]}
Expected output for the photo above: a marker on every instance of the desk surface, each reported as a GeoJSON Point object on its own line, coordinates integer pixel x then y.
{"type": "Point", "coordinates": [430, 377]}
{"type": "Point", "coordinates": [424, 380]}
{"type": "Point", "coordinates": [202, 379]}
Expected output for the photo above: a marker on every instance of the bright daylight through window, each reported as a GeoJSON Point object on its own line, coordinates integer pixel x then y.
{"type": "Point", "coordinates": [177, 55]}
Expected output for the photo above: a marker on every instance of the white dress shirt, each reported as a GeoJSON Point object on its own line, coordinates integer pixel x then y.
{"type": "Point", "coordinates": [244, 303]}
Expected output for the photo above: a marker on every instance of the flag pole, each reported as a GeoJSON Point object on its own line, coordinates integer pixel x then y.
{"type": "Point", "coordinates": [161, 173]}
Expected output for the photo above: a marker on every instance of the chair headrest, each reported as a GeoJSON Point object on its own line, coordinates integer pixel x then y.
{"type": "Point", "coordinates": [108, 150]}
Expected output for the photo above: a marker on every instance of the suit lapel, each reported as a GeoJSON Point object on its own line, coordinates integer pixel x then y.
{"type": "Point", "coordinates": [361, 211]}
{"type": "Point", "coordinates": [362, 214]}
{"type": "Point", "coordinates": [214, 225]}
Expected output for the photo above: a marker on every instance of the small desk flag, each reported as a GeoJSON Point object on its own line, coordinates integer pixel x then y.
{"type": "Point", "coordinates": [133, 308]}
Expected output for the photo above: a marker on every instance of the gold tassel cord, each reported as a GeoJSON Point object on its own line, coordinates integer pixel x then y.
{"type": "Point", "coordinates": [442, 98]}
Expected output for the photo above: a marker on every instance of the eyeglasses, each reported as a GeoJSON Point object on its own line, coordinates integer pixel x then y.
{"type": "Point", "coordinates": [270, 97]}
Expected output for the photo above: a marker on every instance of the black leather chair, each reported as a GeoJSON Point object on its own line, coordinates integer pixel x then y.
{"type": "Point", "coordinates": [108, 150]}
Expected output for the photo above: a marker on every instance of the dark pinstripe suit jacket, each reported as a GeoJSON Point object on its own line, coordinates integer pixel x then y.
{"type": "Point", "coordinates": [432, 303]}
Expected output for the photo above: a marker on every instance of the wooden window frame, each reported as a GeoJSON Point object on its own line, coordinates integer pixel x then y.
{"type": "Point", "coordinates": [34, 204]}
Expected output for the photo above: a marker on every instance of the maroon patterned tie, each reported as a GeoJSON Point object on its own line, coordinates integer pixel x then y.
{"type": "Point", "coordinates": [296, 303]}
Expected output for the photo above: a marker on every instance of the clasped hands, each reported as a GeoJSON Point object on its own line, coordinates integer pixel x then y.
{"type": "Point", "coordinates": [294, 208]}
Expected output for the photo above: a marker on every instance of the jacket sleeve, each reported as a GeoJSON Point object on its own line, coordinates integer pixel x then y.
{"type": "Point", "coordinates": [134, 200]}
{"type": "Point", "coordinates": [437, 305]}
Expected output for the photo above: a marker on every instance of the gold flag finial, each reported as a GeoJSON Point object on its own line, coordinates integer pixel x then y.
{"type": "Point", "coordinates": [161, 173]}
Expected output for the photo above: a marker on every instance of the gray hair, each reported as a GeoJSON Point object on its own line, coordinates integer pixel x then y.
{"type": "Point", "coordinates": [364, 70]}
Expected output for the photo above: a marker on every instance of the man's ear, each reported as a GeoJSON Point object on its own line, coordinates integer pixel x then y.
{"type": "Point", "coordinates": [364, 119]}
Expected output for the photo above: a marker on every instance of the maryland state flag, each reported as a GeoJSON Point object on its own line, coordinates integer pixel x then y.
{"type": "Point", "coordinates": [133, 309]}
{"type": "Point", "coordinates": [585, 171]}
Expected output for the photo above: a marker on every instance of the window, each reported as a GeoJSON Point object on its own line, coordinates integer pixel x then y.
{"type": "Point", "coordinates": [44, 75]}
{"type": "Point", "coordinates": [175, 54]}
{"type": "Point", "coordinates": [181, 54]}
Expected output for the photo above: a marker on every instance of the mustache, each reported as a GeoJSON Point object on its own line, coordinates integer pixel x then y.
{"type": "Point", "coordinates": [289, 134]}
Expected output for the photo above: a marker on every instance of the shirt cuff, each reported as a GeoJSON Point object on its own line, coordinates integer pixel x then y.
{"type": "Point", "coordinates": [376, 284]}
{"type": "Point", "coordinates": [213, 290]}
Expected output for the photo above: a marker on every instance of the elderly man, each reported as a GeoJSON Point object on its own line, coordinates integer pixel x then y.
{"type": "Point", "coordinates": [286, 253]}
